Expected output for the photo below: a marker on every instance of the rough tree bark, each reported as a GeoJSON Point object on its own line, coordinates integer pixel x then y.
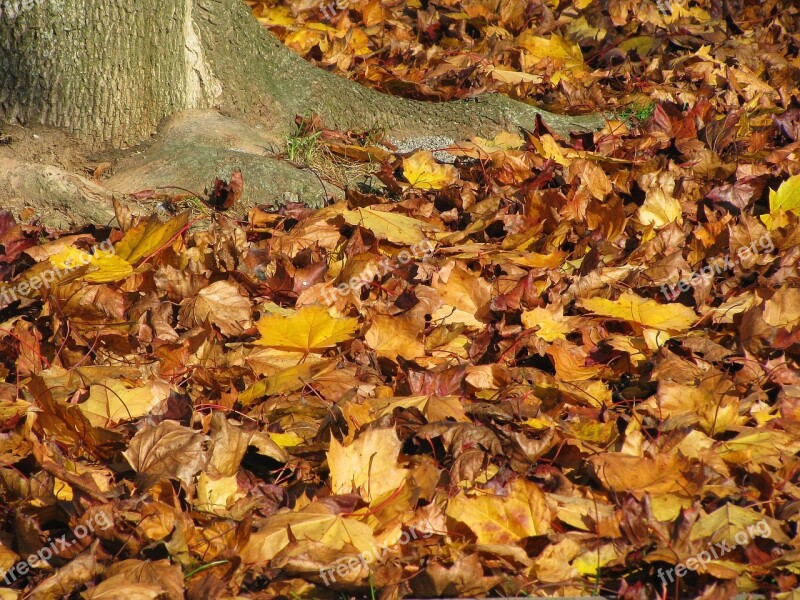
{"type": "Point", "coordinates": [112, 72]}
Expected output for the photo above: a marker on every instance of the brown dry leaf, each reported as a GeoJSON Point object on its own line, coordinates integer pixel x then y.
{"type": "Point", "coordinates": [570, 362]}
{"type": "Point", "coordinates": [393, 336]}
{"type": "Point", "coordinates": [221, 304]}
{"type": "Point", "coordinates": [533, 349]}
{"type": "Point", "coordinates": [554, 564]}
{"type": "Point", "coordinates": [664, 474]}
{"type": "Point", "coordinates": [783, 308]}
{"type": "Point", "coordinates": [138, 579]}
{"type": "Point", "coordinates": [730, 520]}
{"type": "Point", "coordinates": [362, 153]}
{"type": "Point", "coordinates": [713, 403]}
{"type": "Point", "coordinates": [316, 522]}
{"type": "Point", "coordinates": [69, 578]}
{"type": "Point", "coordinates": [158, 520]}
{"type": "Point", "coordinates": [435, 408]}
{"type": "Point", "coordinates": [113, 402]}
{"type": "Point", "coordinates": [463, 579]}
{"type": "Point", "coordinates": [513, 77]}
{"type": "Point", "coordinates": [286, 380]}
{"type": "Point", "coordinates": [592, 176]}
{"type": "Point", "coordinates": [465, 296]}
{"type": "Point", "coordinates": [166, 451]}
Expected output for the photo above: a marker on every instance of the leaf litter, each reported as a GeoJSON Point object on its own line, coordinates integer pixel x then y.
{"type": "Point", "coordinates": [563, 392]}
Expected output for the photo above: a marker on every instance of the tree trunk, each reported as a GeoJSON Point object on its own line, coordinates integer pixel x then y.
{"type": "Point", "coordinates": [111, 71]}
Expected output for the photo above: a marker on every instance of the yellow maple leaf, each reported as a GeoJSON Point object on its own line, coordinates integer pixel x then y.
{"type": "Point", "coordinates": [286, 440]}
{"type": "Point", "coordinates": [563, 52]}
{"type": "Point", "coordinates": [358, 42]}
{"type": "Point", "coordinates": [786, 199]}
{"type": "Point", "coordinates": [499, 519]}
{"type": "Point", "coordinates": [424, 173]}
{"type": "Point", "coordinates": [276, 16]}
{"type": "Point", "coordinates": [148, 237]}
{"type": "Point", "coordinates": [644, 311]}
{"type": "Point", "coordinates": [659, 209]}
{"type": "Point", "coordinates": [551, 324]}
{"type": "Point", "coordinates": [464, 294]}
{"type": "Point", "coordinates": [548, 147]}
{"type": "Point", "coordinates": [285, 380]}
{"type": "Point", "coordinates": [216, 494]}
{"type": "Point", "coordinates": [310, 329]}
{"type": "Point", "coordinates": [393, 227]}
{"type": "Point", "coordinates": [368, 465]}
{"type": "Point", "coordinates": [661, 475]}
{"type": "Point", "coordinates": [730, 520]}
{"type": "Point", "coordinates": [712, 403]}
{"type": "Point", "coordinates": [114, 402]}
{"type": "Point", "coordinates": [107, 268]}
{"type": "Point", "coordinates": [101, 267]}
{"type": "Point", "coordinates": [315, 522]}
{"type": "Point", "coordinates": [394, 335]}
{"type": "Point", "coordinates": [677, 12]}
{"type": "Point", "coordinates": [304, 40]}
{"type": "Point", "coordinates": [590, 562]}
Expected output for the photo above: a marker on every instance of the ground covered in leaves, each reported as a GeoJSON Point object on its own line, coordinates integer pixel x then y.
{"type": "Point", "coordinates": [555, 366]}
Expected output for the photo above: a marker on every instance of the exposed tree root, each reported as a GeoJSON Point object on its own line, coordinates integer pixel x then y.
{"type": "Point", "coordinates": [57, 197]}
{"type": "Point", "coordinates": [194, 146]}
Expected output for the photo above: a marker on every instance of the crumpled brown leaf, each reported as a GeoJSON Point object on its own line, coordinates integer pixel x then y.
{"type": "Point", "coordinates": [168, 450]}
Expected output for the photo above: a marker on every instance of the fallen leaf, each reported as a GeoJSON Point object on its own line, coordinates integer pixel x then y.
{"type": "Point", "coordinates": [112, 402]}
{"type": "Point", "coordinates": [315, 522]}
{"type": "Point", "coordinates": [221, 304]}
{"type": "Point", "coordinates": [643, 311]}
{"type": "Point", "coordinates": [423, 172]}
{"type": "Point", "coordinates": [368, 465]}
{"type": "Point", "coordinates": [166, 451]}
{"type": "Point", "coordinates": [503, 519]}
{"type": "Point", "coordinates": [393, 227]}
{"type": "Point", "coordinates": [310, 329]}
{"type": "Point", "coordinates": [148, 237]}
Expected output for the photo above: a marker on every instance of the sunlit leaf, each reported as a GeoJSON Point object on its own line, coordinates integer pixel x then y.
{"type": "Point", "coordinates": [285, 380]}
{"type": "Point", "coordinates": [644, 311]}
{"type": "Point", "coordinates": [393, 227]}
{"type": "Point", "coordinates": [100, 267]}
{"type": "Point", "coordinates": [368, 465]}
{"type": "Point", "coordinates": [423, 172]}
{"type": "Point", "coordinates": [781, 201]}
{"type": "Point", "coordinates": [113, 402]}
{"type": "Point", "coordinates": [314, 522]}
{"type": "Point", "coordinates": [310, 329]}
{"type": "Point", "coordinates": [148, 237]}
{"type": "Point", "coordinates": [506, 517]}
